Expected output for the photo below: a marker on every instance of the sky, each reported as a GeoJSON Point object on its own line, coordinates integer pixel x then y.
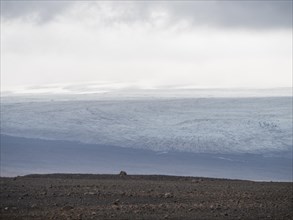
{"type": "Point", "coordinates": [154, 44]}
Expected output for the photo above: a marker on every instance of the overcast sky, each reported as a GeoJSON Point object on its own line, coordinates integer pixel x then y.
{"type": "Point", "coordinates": [151, 44]}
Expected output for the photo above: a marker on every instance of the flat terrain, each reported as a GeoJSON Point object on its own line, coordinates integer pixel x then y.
{"type": "Point", "coordinates": [23, 156]}
{"type": "Point", "coordinates": [82, 196]}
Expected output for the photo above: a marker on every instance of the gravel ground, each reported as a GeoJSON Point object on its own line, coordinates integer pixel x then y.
{"type": "Point", "coordinates": [82, 196]}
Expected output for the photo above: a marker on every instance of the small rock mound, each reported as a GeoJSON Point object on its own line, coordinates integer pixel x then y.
{"type": "Point", "coordinates": [122, 173]}
{"type": "Point", "coordinates": [66, 208]}
{"type": "Point", "coordinates": [116, 202]}
{"type": "Point", "coordinates": [168, 195]}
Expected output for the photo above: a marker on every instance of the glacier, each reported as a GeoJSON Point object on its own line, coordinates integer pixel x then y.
{"type": "Point", "coordinates": [259, 125]}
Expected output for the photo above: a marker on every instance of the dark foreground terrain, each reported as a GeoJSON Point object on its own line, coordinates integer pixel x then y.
{"type": "Point", "coordinates": [74, 196]}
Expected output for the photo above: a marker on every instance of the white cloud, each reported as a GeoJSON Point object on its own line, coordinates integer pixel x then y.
{"type": "Point", "coordinates": [81, 45]}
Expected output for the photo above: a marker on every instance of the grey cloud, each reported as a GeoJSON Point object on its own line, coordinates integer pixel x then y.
{"type": "Point", "coordinates": [246, 14]}
{"type": "Point", "coordinates": [42, 11]}
{"type": "Point", "coordinates": [228, 14]}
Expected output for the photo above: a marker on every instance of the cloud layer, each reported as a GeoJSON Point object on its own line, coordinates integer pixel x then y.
{"type": "Point", "coordinates": [228, 14]}
{"type": "Point", "coordinates": [192, 43]}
